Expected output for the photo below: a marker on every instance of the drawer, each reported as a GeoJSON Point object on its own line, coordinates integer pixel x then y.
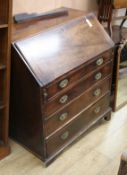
{"type": "Point", "coordinates": [65, 115]}
{"type": "Point", "coordinates": [68, 80]}
{"type": "Point", "coordinates": [84, 120]}
{"type": "Point", "coordinates": [60, 101]}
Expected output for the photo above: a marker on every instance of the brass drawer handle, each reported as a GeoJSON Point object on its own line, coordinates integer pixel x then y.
{"type": "Point", "coordinates": [97, 110]}
{"type": "Point", "coordinates": [98, 76]}
{"type": "Point", "coordinates": [63, 83]}
{"type": "Point", "coordinates": [97, 92]}
{"type": "Point", "coordinates": [100, 61]}
{"type": "Point", "coordinates": [63, 99]}
{"type": "Point", "coordinates": [63, 116]}
{"type": "Point", "coordinates": [65, 135]}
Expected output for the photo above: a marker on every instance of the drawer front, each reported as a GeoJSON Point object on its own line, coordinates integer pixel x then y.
{"type": "Point", "coordinates": [84, 120]}
{"type": "Point", "coordinates": [68, 80]}
{"type": "Point", "coordinates": [90, 96]}
{"type": "Point", "coordinates": [60, 101]}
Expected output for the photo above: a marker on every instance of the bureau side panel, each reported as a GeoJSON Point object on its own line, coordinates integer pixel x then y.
{"type": "Point", "coordinates": [25, 110]}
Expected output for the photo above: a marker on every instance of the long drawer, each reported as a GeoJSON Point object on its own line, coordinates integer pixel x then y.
{"type": "Point", "coordinates": [69, 79]}
{"type": "Point", "coordinates": [56, 121]}
{"type": "Point", "coordinates": [60, 101]}
{"type": "Point", "coordinates": [84, 120]}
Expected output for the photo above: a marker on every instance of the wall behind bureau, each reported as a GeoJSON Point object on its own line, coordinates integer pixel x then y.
{"type": "Point", "coordinates": [45, 5]}
{"type": "Point", "coordinates": [20, 6]}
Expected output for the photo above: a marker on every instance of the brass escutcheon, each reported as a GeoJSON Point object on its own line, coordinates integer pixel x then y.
{"type": "Point", "coordinates": [97, 92]}
{"type": "Point", "coordinates": [63, 83]}
{"type": "Point", "coordinates": [63, 99]}
{"type": "Point", "coordinates": [97, 110]}
{"type": "Point", "coordinates": [65, 135]}
{"type": "Point", "coordinates": [100, 61]}
{"type": "Point", "coordinates": [98, 76]}
{"type": "Point", "coordinates": [63, 116]}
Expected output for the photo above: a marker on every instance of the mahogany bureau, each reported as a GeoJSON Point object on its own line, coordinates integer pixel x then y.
{"type": "Point", "coordinates": [61, 81]}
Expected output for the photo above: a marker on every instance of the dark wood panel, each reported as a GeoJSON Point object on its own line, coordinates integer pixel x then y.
{"type": "Point", "coordinates": [3, 45]}
{"type": "Point", "coordinates": [2, 85]}
{"type": "Point", "coordinates": [4, 11]}
{"type": "Point", "coordinates": [27, 107]}
{"type": "Point", "coordinates": [1, 126]}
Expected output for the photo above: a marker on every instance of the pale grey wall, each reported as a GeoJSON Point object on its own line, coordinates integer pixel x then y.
{"type": "Point", "coordinates": [44, 5]}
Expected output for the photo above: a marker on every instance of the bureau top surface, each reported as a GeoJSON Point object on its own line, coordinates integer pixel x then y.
{"type": "Point", "coordinates": [59, 50]}
{"type": "Point", "coordinates": [30, 28]}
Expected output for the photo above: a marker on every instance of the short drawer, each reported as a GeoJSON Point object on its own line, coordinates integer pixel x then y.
{"type": "Point", "coordinates": [69, 79]}
{"type": "Point", "coordinates": [60, 101]}
{"type": "Point", "coordinates": [88, 98]}
{"type": "Point", "coordinates": [82, 123]}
